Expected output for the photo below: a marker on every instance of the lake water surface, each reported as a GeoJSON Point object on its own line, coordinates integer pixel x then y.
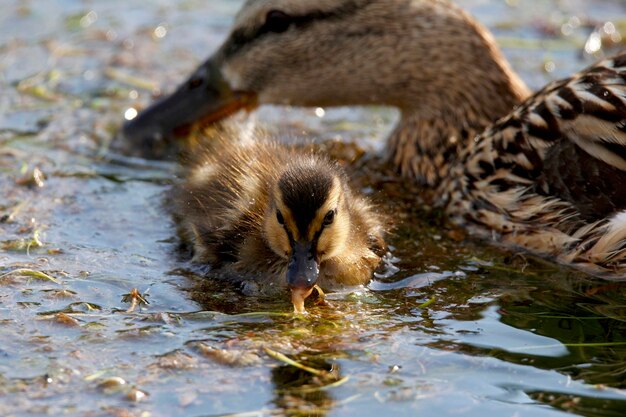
{"type": "Point", "coordinates": [454, 326]}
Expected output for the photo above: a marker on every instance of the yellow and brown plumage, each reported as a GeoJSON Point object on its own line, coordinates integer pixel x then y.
{"type": "Point", "coordinates": [270, 217]}
{"type": "Point", "coordinates": [549, 176]}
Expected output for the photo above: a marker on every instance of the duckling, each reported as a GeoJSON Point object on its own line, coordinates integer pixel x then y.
{"type": "Point", "coordinates": [547, 177]}
{"type": "Point", "coordinates": [269, 217]}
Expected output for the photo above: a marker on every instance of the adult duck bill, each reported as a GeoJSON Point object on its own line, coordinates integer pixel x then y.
{"type": "Point", "coordinates": [205, 98]}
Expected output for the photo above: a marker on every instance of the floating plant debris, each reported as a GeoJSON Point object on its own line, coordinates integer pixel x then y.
{"type": "Point", "coordinates": [135, 298]}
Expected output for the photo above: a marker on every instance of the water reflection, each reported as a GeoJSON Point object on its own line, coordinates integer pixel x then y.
{"type": "Point", "coordinates": [300, 392]}
{"type": "Point", "coordinates": [563, 322]}
{"type": "Point", "coordinates": [558, 320]}
{"type": "Point", "coordinates": [586, 317]}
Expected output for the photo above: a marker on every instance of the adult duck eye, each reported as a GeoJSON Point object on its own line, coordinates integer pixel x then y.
{"type": "Point", "coordinates": [194, 83]}
{"type": "Point", "coordinates": [277, 21]}
{"type": "Point", "coordinates": [329, 218]}
{"type": "Point", "coordinates": [279, 217]}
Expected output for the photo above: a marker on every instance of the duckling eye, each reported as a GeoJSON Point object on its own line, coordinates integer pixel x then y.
{"type": "Point", "coordinates": [277, 21]}
{"type": "Point", "coordinates": [279, 217]}
{"type": "Point", "coordinates": [329, 218]}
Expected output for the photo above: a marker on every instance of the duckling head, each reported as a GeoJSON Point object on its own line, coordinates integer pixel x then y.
{"type": "Point", "coordinates": [307, 222]}
{"type": "Point", "coordinates": [421, 56]}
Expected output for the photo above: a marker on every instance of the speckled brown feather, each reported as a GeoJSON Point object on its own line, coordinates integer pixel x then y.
{"type": "Point", "coordinates": [531, 179]}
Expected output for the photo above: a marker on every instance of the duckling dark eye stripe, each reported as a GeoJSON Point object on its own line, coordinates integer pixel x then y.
{"type": "Point", "coordinates": [242, 38]}
{"type": "Point", "coordinates": [316, 238]}
{"type": "Point", "coordinates": [289, 235]}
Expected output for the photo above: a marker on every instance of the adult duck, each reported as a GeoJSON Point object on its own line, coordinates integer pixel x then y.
{"type": "Point", "coordinates": [549, 177]}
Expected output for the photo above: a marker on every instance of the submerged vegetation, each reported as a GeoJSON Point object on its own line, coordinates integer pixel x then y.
{"type": "Point", "coordinates": [101, 314]}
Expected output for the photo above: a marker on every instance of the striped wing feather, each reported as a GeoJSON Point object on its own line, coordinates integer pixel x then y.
{"type": "Point", "coordinates": [551, 176]}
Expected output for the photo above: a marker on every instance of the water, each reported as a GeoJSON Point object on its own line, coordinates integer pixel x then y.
{"type": "Point", "coordinates": [454, 328]}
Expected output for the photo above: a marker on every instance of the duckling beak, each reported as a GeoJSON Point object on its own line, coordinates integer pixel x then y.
{"type": "Point", "coordinates": [205, 98]}
{"type": "Point", "coordinates": [302, 273]}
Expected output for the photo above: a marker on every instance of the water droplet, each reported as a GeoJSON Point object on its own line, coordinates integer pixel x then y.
{"type": "Point", "coordinates": [160, 32]}
{"type": "Point", "coordinates": [567, 29]}
{"type": "Point", "coordinates": [609, 28]}
{"type": "Point", "coordinates": [594, 43]}
{"type": "Point", "coordinates": [616, 37]}
{"type": "Point", "coordinates": [130, 113]}
{"type": "Point", "coordinates": [111, 35]}
{"type": "Point", "coordinates": [88, 19]}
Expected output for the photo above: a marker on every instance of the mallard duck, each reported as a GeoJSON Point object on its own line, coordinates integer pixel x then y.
{"type": "Point", "coordinates": [549, 177]}
{"type": "Point", "coordinates": [269, 217]}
